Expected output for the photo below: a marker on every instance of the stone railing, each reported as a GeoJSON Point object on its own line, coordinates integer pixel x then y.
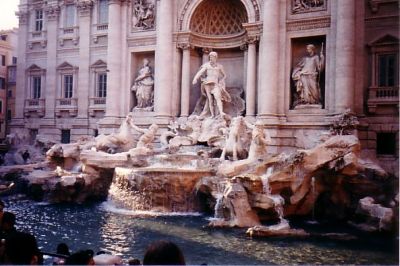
{"type": "Point", "coordinates": [66, 105]}
{"type": "Point", "coordinates": [97, 104]}
{"type": "Point", "coordinates": [34, 106]}
{"type": "Point", "coordinates": [382, 96]}
{"type": "Point", "coordinates": [69, 33]}
{"type": "Point", "coordinates": [102, 27]}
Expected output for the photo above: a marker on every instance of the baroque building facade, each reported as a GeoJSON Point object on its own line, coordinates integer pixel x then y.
{"type": "Point", "coordinates": [8, 61]}
{"type": "Point", "coordinates": [295, 63]}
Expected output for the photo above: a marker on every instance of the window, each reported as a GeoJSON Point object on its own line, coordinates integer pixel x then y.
{"type": "Point", "coordinates": [14, 60]}
{"type": "Point", "coordinates": [102, 85]}
{"type": "Point", "coordinates": [9, 115]}
{"type": "Point", "coordinates": [386, 143]}
{"type": "Point", "coordinates": [37, 87]}
{"type": "Point", "coordinates": [12, 72]}
{"type": "Point", "coordinates": [103, 11]}
{"type": "Point", "coordinates": [387, 70]}
{"type": "Point", "coordinates": [69, 16]}
{"type": "Point", "coordinates": [1, 106]}
{"type": "Point", "coordinates": [38, 20]}
{"type": "Point", "coordinates": [3, 60]}
{"type": "Point", "coordinates": [9, 94]}
{"type": "Point", "coordinates": [68, 86]}
{"type": "Point", "coordinates": [2, 83]}
{"type": "Point", "coordinates": [4, 37]}
{"type": "Point", "coordinates": [65, 136]}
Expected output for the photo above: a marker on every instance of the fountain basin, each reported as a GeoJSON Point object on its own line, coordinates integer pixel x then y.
{"type": "Point", "coordinates": [157, 189]}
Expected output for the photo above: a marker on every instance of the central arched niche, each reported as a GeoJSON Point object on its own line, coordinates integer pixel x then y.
{"type": "Point", "coordinates": [219, 18]}
{"type": "Point", "coordinates": [217, 25]}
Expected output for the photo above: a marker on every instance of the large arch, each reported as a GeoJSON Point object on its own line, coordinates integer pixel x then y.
{"type": "Point", "coordinates": [186, 13]}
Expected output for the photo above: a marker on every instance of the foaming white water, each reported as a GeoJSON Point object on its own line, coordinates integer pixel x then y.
{"type": "Point", "coordinates": [109, 206]}
{"type": "Point", "coordinates": [265, 180]}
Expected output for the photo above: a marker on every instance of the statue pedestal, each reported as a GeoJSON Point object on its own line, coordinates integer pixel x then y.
{"type": "Point", "coordinates": [143, 117]}
{"type": "Point", "coordinates": [308, 108]}
{"type": "Point", "coordinates": [307, 113]}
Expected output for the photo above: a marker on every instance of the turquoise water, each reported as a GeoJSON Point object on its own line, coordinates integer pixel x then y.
{"type": "Point", "coordinates": [101, 226]}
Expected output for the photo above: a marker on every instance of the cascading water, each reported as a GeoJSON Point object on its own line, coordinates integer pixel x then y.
{"type": "Point", "coordinates": [277, 199]}
{"type": "Point", "coordinates": [313, 221]}
{"type": "Point", "coordinates": [218, 204]}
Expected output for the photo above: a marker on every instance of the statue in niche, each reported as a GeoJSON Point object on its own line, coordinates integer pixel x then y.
{"type": "Point", "coordinates": [212, 86]}
{"type": "Point", "coordinates": [306, 76]}
{"type": "Point", "coordinates": [300, 6]}
{"type": "Point", "coordinates": [143, 87]}
{"type": "Point", "coordinates": [143, 14]}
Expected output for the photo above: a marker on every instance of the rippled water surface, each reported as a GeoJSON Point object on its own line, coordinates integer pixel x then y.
{"type": "Point", "coordinates": [103, 227]}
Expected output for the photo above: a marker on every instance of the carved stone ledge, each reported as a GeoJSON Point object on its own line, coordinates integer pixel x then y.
{"type": "Point", "coordinates": [23, 17]}
{"type": "Point", "coordinates": [309, 24]}
{"type": "Point", "coordinates": [52, 12]}
{"type": "Point", "coordinates": [84, 7]}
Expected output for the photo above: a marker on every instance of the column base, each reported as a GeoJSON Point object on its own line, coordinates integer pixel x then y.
{"type": "Point", "coordinates": [268, 119]}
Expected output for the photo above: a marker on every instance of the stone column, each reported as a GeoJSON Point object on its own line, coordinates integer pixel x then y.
{"type": "Point", "coordinates": [51, 88]}
{"type": "Point", "coordinates": [345, 55]}
{"type": "Point", "coordinates": [163, 59]}
{"type": "Point", "coordinates": [185, 85]}
{"type": "Point", "coordinates": [251, 78]}
{"type": "Point", "coordinates": [21, 93]}
{"type": "Point", "coordinates": [84, 9]}
{"type": "Point", "coordinates": [114, 60]}
{"type": "Point", "coordinates": [269, 58]}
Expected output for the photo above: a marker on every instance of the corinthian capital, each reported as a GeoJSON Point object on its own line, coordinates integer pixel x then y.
{"type": "Point", "coordinates": [23, 17]}
{"type": "Point", "coordinates": [84, 7]}
{"type": "Point", "coordinates": [52, 12]}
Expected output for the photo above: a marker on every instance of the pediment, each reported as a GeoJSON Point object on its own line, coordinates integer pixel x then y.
{"type": "Point", "coordinates": [385, 40]}
{"type": "Point", "coordinates": [65, 65]}
{"type": "Point", "coordinates": [34, 67]}
{"type": "Point", "coordinates": [99, 64]}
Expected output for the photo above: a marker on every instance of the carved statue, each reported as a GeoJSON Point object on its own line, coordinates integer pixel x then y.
{"type": "Point", "coordinates": [306, 76]}
{"type": "Point", "coordinates": [238, 139]}
{"type": "Point", "coordinates": [143, 14]}
{"type": "Point", "coordinates": [121, 141]}
{"type": "Point", "coordinates": [300, 6]}
{"type": "Point", "coordinates": [259, 142]}
{"type": "Point", "coordinates": [143, 87]}
{"type": "Point", "coordinates": [213, 85]}
{"type": "Point", "coordinates": [148, 135]}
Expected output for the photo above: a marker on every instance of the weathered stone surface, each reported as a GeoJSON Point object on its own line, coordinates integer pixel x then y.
{"type": "Point", "coordinates": [271, 231]}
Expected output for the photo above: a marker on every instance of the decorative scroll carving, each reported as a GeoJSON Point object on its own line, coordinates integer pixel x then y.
{"type": "Point", "coordinates": [303, 6]}
{"type": "Point", "coordinates": [309, 24]}
{"type": "Point", "coordinates": [143, 14]}
{"type": "Point", "coordinates": [52, 12]}
{"type": "Point", "coordinates": [84, 7]}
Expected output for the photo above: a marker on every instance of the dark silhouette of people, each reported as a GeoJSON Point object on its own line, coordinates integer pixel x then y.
{"type": "Point", "coordinates": [26, 156]}
{"type": "Point", "coordinates": [82, 257]}
{"type": "Point", "coordinates": [163, 253]}
{"type": "Point", "coordinates": [22, 249]}
{"type": "Point", "coordinates": [62, 249]}
{"type": "Point", "coordinates": [7, 224]}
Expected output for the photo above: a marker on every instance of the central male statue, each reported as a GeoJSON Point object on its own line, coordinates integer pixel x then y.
{"type": "Point", "coordinates": [213, 85]}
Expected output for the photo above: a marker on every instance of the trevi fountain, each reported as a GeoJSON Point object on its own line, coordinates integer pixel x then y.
{"type": "Point", "coordinates": [210, 184]}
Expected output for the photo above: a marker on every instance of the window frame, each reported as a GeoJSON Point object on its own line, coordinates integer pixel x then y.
{"type": "Point", "coordinates": [70, 8]}
{"type": "Point", "coordinates": [38, 20]}
{"type": "Point", "coordinates": [68, 86]}
{"type": "Point", "coordinates": [99, 12]}
{"type": "Point", "coordinates": [36, 87]}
